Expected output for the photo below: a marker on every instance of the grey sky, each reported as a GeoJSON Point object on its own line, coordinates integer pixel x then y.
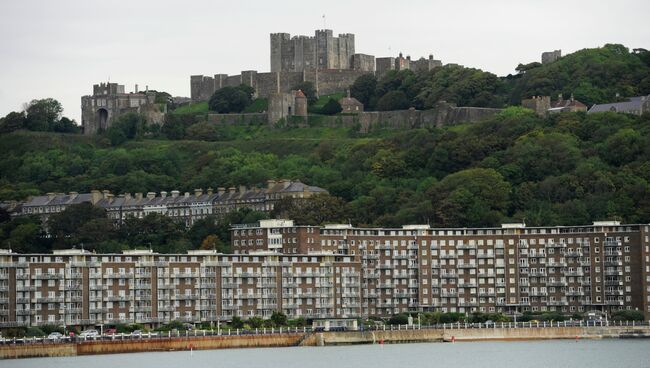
{"type": "Point", "coordinates": [61, 48]}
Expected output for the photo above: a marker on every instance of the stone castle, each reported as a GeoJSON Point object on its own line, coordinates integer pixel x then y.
{"type": "Point", "coordinates": [109, 101]}
{"type": "Point", "coordinates": [330, 63]}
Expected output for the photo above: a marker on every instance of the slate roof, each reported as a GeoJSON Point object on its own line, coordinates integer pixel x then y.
{"type": "Point", "coordinates": [632, 105]}
{"type": "Point", "coordinates": [127, 200]}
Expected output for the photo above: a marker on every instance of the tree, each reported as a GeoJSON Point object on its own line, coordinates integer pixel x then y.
{"type": "Point", "coordinates": [237, 322]}
{"type": "Point", "coordinates": [399, 319]}
{"type": "Point", "coordinates": [41, 115]}
{"type": "Point", "coordinates": [202, 131]}
{"type": "Point", "coordinates": [308, 89]}
{"type": "Point", "coordinates": [523, 68]}
{"type": "Point", "coordinates": [65, 125]}
{"type": "Point", "coordinates": [628, 315]}
{"type": "Point", "coordinates": [315, 210]}
{"type": "Point", "coordinates": [174, 126]}
{"type": "Point", "coordinates": [230, 99]}
{"type": "Point", "coordinates": [128, 126]}
{"type": "Point", "coordinates": [332, 107]}
{"type": "Point", "coordinates": [212, 242]}
{"type": "Point", "coordinates": [202, 229]}
{"type": "Point", "coordinates": [393, 100]}
{"type": "Point", "coordinates": [155, 230]}
{"type": "Point", "coordinates": [255, 322]}
{"type": "Point", "coordinates": [623, 147]}
{"type": "Point", "coordinates": [472, 197]}
{"type": "Point", "coordinates": [387, 163]}
{"type": "Point", "coordinates": [279, 319]}
{"type": "Point", "coordinates": [66, 225]}
{"type": "Point", "coordinates": [12, 121]}
{"type": "Point", "coordinates": [363, 89]}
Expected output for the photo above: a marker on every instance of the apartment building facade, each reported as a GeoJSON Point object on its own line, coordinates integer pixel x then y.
{"type": "Point", "coordinates": [337, 271]}
{"type": "Point", "coordinates": [78, 288]}
{"type": "Point", "coordinates": [604, 266]}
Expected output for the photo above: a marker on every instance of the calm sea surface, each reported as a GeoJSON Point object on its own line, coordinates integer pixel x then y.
{"type": "Point", "coordinates": [547, 354]}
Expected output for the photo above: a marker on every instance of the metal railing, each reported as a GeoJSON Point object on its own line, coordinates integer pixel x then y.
{"type": "Point", "coordinates": [305, 330]}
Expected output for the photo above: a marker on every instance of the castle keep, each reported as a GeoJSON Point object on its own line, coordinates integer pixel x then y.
{"type": "Point", "coordinates": [300, 53]}
{"type": "Point", "coordinates": [109, 101]}
{"type": "Point", "coordinates": [330, 63]}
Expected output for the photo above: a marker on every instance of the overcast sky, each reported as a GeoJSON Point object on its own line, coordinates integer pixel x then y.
{"type": "Point", "coordinates": [61, 48]}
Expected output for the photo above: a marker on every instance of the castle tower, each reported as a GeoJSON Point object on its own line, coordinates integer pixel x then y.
{"type": "Point", "coordinates": [278, 40]}
{"type": "Point", "coordinates": [325, 49]}
{"type": "Point", "coordinates": [300, 104]}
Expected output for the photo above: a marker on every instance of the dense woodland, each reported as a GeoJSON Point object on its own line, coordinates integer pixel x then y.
{"type": "Point", "coordinates": [570, 168]}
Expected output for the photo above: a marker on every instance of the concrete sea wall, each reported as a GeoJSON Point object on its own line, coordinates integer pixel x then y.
{"type": "Point", "coordinates": [12, 351]}
{"type": "Point", "coordinates": [473, 334]}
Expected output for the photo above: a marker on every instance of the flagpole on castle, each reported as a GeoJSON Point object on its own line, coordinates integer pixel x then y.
{"type": "Point", "coordinates": [324, 22]}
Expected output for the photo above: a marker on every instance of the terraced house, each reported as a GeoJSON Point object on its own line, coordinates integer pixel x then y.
{"type": "Point", "coordinates": [337, 271]}
{"type": "Point", "coordinates": [186, 208]}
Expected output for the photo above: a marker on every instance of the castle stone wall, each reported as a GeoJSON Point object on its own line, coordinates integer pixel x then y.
{"type": "Point", "coordinates": [238, 119]}
{"type": "Point", "coordinates": [364, 63]}
{"type": "Point", "coordinates": [333, 81]}
{"type": "Point", "coordinates": [551, 56]}
{"type": "Point", "coordinates": [442, 115]}
{"type": "Point", "coordinates": [266, 84]}
{"type": "Point", "coordinates": [288, 80]}
{"type": "Point", "coordinates": [384, 65]}
{"type": "Point", "coordinates": [232, 81]}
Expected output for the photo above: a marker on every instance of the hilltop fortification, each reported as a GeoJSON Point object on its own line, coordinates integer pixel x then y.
{"type": "Point", "coordinates": [330, 63]}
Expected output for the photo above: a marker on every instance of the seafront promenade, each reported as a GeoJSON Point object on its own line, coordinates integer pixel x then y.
{"type": "Point", "coordinates": [224, 339]}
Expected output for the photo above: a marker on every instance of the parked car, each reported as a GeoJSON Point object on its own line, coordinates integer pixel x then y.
{"type": "Point", "coordinates": [89, 333]}
{"type": "Point", "coordinates": [136, 333]}
{"type": "Point", "coordinates": [55, 336]}
{"type": "Point", "coordinates": [110, 331]}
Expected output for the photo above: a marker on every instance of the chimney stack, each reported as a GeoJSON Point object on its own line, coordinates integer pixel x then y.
{"type": "Point", "coordinates": [242, 189]}
{"type": "Point", "coordinates": [136, 88]}
{"type": "Point", "coordinates": [151, 195]}
{"type": "Point", "coordinates": [270, 183]}
{"type": "Point", "coordinates": [96, 196]}
{"type": "Point", "coordinates": [198, 192]}
{"type": "Point", "coordinates": [163, 194]}
{"type": "Point", "coordinates": [221, 190]}
{"type": "Point", "coordinates": [232, 190]}
{"type": "Point", "coordinates": [175, 193]}
{"type": "Point", "coordinates": [209, 191]}
{"type": "Point", "coordinates": [138, 196]}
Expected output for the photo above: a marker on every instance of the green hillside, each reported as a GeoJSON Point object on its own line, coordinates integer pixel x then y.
{"type": "Point", "coordinates": [591, 75]}
{"type": "Point", "coordinates": [568, 169]}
